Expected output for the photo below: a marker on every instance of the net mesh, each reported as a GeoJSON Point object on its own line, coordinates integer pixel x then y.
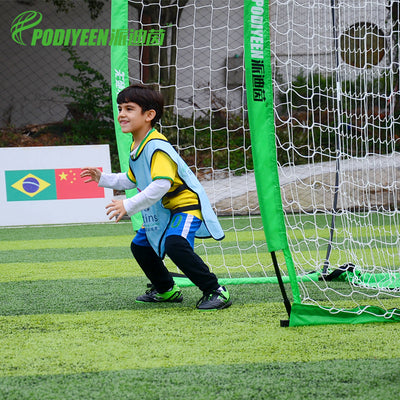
{"type": "Point", "coordinates": [336, 109]}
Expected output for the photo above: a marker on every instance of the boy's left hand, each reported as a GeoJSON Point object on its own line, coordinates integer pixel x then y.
{"type": "Point", "coordinates": [116, 209]}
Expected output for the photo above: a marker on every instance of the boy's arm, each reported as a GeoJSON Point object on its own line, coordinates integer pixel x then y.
{"type": "Point", "coordinates": [147, 197]}
{"type": "Point", "coordinates": [144, 199]}
{"type": "Point", "coordinates": [162, 173]}
{"type": "Point", "coordinates": [118, 181]}
{"type": "Point", "coordinates": [113, 181]}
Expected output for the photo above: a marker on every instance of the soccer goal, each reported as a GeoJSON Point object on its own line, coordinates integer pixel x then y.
{"type": "Point", "coordinates": [307, 190]}
{"type": "Point", "coordinates": [194, 53]}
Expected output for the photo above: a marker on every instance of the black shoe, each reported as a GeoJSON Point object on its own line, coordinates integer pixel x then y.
{"type": "Point", "coordinates": [152, 296]}
{"type": "Point", "coordinates": [215, 300]}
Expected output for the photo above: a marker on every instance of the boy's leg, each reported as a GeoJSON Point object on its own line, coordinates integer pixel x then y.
{"type": "Point", "coordinates": [179, 245]}
{"type": "Point", "coordinates": [151, 264]}
{"type": "Point", "coordinates": [181, 253]}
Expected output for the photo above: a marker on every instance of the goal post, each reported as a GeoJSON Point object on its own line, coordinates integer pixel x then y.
{"type": "Point", "coordinates": [262, 128]}
{"type": "Point", "coordinates": [119, 80]}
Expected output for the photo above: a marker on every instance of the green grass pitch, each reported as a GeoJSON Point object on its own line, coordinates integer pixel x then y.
{"type": "Point", "coordinates": [70, 329]}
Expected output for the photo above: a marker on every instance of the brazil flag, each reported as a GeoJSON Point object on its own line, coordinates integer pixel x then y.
{"type": "Point", "coordinates": [31, 185]}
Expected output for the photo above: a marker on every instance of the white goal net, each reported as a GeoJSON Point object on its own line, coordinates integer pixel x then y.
{"type": "Point", "coordinates": [336, 88]}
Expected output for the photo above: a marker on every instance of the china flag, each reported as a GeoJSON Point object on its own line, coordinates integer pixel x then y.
{"type": "Point", "coordinates": [71, 186]}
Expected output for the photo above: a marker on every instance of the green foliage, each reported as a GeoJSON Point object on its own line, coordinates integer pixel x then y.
{"type": "Point", "coordinates": [95, 7]}
{"type": "Point", "coordinates": [90, 93]}
{"type": "Point", "coordinates": [90, 107]}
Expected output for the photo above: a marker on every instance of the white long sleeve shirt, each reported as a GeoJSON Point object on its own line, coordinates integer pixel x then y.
{"type": "Point", "coordinates": [144, 199]}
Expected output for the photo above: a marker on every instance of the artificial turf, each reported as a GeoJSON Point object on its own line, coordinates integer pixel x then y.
{"type": "Point", "coordinates": [70, 329]}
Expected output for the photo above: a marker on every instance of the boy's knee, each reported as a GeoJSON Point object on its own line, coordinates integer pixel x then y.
{"type": "Point", "coordinates": [138, 250]}
{"type": "Point", "coordinates": [175, 244]}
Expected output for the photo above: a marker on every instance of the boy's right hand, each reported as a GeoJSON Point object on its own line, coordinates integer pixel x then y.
{"type": "Point", "coordinates": [94, 174]}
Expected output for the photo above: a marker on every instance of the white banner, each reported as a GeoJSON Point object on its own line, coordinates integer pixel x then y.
{"type": "Point", "coordinates": [41, 185]}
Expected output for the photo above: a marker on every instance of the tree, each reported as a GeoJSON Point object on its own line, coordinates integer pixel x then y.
{"type": "Point", "coordinates": [94, 6]}
{"type": "Point", "coordinates": [158, 63]}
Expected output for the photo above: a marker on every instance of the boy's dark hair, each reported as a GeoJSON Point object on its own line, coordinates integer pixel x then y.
{"type": "Point", "coordinates": [144, 96]}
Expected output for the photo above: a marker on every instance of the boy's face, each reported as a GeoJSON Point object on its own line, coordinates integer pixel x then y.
{"type": "Point", "coordinates": [132, 118]}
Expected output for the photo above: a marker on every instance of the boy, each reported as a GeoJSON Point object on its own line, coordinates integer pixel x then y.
{"type": "Point", "coordinates": [174, 206]}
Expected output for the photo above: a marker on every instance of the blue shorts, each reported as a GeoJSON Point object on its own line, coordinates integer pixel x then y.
{"type": "Point", "coordinates": [181, 224]}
